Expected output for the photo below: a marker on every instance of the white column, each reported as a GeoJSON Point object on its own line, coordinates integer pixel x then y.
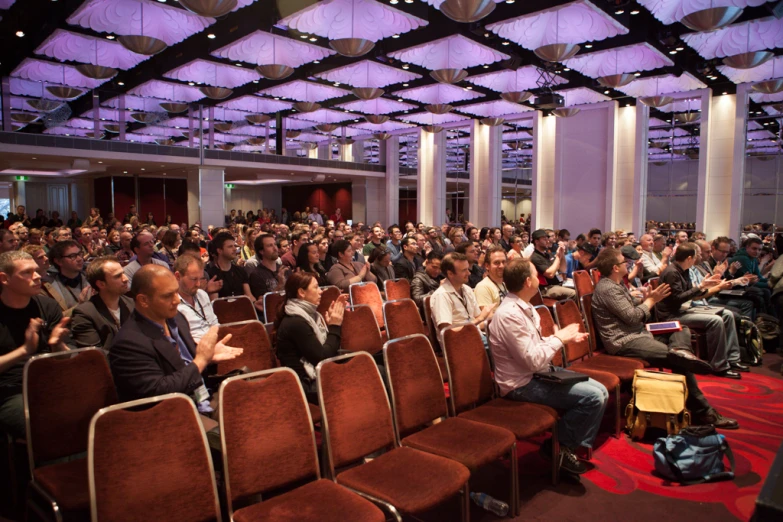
{"type": "Point", "coordinates": [738, 172]}
{"type": "Point", "coordinates": [724, 129]}
{"type": "Point", "coordinates": [431, 180]}
{"type": "Point", "coordinates": [346, 152]}
{"type": "Point", "coordinates": [543, 187]}
{"type": "Point", "coordinates": [639, 198]}
{"type": "Point", "coordinates": [359, 200]}
{"type": "Point", "coordinates": [625, 205]}
{"type": "Point", "coordinates": [486, 172]}
{"type": "Point", "coordinates": [705, 148]}
{"type": "Point", "coordinates": [357, 151]}
{"type": "Point", "coordinates": [20, 195]}
{"type": "Point", "coordinates": [206, 197]}
{"type": "Point", "coordinates": [390, 156]}
{"type": "Point", "coordinates": [312, 153]}
{"type": "Point", "coordinates": [324, 152]}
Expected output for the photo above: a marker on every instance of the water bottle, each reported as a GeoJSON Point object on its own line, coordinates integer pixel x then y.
{"type": "Point", "coordinates": [490, 504]}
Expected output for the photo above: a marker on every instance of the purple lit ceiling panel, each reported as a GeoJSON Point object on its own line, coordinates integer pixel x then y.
{"type": "Point", "coordinates": [766, 71]}
{"type": "Point", "coordinates": [138, 137]}
{"type": "Point", "coordinates": [255, 104]}
{"type": "Point", "coordinates": [301, 90]}
{"type": "Point", "coordinates": [455, 51]}
{"type": "Point", "coordinates": [377, 106]}
{"type": "Point", "coordinates": [67, 131]}
{"type": "Point", "coordinates": [581, 96]}
{"type": "Point", "coordinates": [223, 114]}
{"type": "Point", "coordinates": [324, 116]}
{"type": "Point", "coordinates": [74, 47]}
{"type": "Point", "coordinates": [136, 103]}
{"type": "Point", "coordinates": [180, 122]}
{"type": "Point", "coordinates": [657, 122]}
{"type": "Point", "coordinates": [574, 23]}
{"type": "Point", "coordinates": [671, 11]}
{"type": "Point", "coordinates": [425, 118]}
{"type": "Point", "coordinates": [167, 91]}
{"type": "Point", "coordinates": [682, 106]}
{"type": "Point", "coordinates": [29, 88]}
{"type": "Point", "coordinates": [123, 17]}
{"type": "Point", "coordinates": [212, 73]}
{"type": "Point", "coordinates": [40, 71]}
{"type": "Point", "coordinates": [389, 126]}
{"type": "Point", "coordinates": [6, 4]}
{"type": "Point", "coordinates": [366, 19]}
{"type": "Point", "coordinates": [654, 85]}
{"type": "Point", "coordinates": [756, 35]}
{"type": "Point", "coordinates": [79, 123]}
{"type": "Point", "coordinates": [666, 133]}
{"type": "Point", "coordinates": [632, 58]}
{"type": "Point", "coordinates": [493, 109]}
{"type": "Point", "coordinates": [517, 136]}
{"type": "Point", "coordinates": [106, 114]}
{"type": "Point", "coordinates": [368, 74]}
{"type": "Point", "coordinates": [522, 79]}
{"type": "Point", "coordinates": [769, 109]}
{"type": "Point", "coordinates": [294, 124]}
{"type": "Point", "coordinates": [766, 98]}
{"type": "Point", "coordinates": [438, 93]}
{"type": "Point", "coordinates": [310, 136]}
{"type": "Point", "coordinates": [167, 132]}
{"type": "Point", "coordinates": [251, 130]}
{"type": "Point", "coordinates": [263, 48]}
{"type": "Point", "coordinates": [760, 135]}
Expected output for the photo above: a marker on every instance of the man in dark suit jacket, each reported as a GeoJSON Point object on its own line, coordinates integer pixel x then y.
{"type": "Point", "coordinates": [97, 321]}
{"type": "Point", "coordinates": [405, 267]}
{"type": "Point", "coordinates": [154, 353]}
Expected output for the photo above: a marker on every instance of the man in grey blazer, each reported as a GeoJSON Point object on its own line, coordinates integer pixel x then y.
{"type": "Point", "coordinates": [97, 321]}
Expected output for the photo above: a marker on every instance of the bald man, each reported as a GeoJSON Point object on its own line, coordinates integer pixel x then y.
{"type": "Point", "coordinates": [154, 353]}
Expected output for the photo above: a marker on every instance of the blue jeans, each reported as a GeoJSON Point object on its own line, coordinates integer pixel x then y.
{"type": "Point", "coordinates": [584, 404]}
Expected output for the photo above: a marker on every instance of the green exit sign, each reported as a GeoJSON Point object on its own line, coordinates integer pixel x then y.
{"type": "Point", "coordinates": [229, 185]}
{"type": "Point", "coordinates": [22, 178]}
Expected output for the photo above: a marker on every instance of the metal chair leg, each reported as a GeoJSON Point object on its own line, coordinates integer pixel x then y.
{"type": "Point", "coordinates": [617, 413]}
{"type": "Point", "coordinates": [555, 456]}
{"type": "Point", "coordinates": [514, 481]}
{"type": "Point", "coordinates": [466, 503]}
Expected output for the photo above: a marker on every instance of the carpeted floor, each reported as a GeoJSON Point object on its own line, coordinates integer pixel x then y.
{"type": "Point", "coordinates": [622, 486]}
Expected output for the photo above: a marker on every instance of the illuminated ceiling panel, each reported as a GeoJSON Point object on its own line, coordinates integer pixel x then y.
{"type": "Point", "coordinates": [301, 90]}
{"type": "Point", "coordinates": [212, 73]}
{"type": "Point", "coordinates": [755, 35]}
{"type": "Point", "coordinates": [263, 48]}
{"type": "Point", "coordinates": [581, 96]}
{"type": "Point", "coordinates": [65, 46]}
{"type": "Point", "coordinates": [766, 71]}
{"type": "Point", "coordinates": [632, 58]}
{"type": "Point", "coordinates": [377, 106]}
{"type": "Point", "coordinates": [53, 73]}
{"type": "Point", "coordinates": [389, 126]}
{"type": "Point", "coordinates": [425, 118]}
{"type": "Point", "coordinates": [671, 11]}
{"type": "Point", "coordinates": [438, 93]}
{"type": "Point", "coordinates": [667, 84]}
{"type": "Point", "coordinates": [256, 104]}
{"type": "Point", "coordinates": [457, 52]}
{"type": "Point", "coordinates": [493, 109]}
{"type": "Point", "coordinates": [167, 91]}
{"type": "Point", "coordinates": [522, 79]}
{"type": "Point", "coordinates": [368, 74]}
{"type": "Point", "coordinates": [324, 116]}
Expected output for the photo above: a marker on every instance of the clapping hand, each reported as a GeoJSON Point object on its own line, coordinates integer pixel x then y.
{"type": "Point", "coordinates": [336, 311]}
{"type": "Point", "coordinates": [56, 342]}
{"type": "Point", "coordinates": [213, 285]}
{"type": "Point", "coordinates": [223, 352]}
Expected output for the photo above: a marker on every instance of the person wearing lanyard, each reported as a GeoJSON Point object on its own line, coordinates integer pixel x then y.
{"type": "Point", "coordinates": [194, 304]}
{"type": "Point", "coordinates": [491, 290]}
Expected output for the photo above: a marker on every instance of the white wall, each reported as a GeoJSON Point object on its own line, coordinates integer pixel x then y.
{"type": "Point", "coordinates": [761, 195]}
{"type": "Point", "coordinates": [62, 196]}
{"type": "Point", "coordinates": [253, 197]}
{"type": "Point", "coordinates": [523, 206]}
{"type": "Point", "coordinates": [671, 191]}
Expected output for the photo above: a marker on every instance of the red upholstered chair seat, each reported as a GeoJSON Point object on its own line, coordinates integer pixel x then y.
{"type": "Point", "coordinates": [523, 419]}
{"type": "Point", "coordinates": [620, 366]}
{"type": "Point", "coordinates": [609, 380]}
{"type": "Point", "coordinates": [470, 443]}
{"type": "Point", "coordinates": [411, 480]}
{"type": "Point", "coordinates": [319, 501]}
{"type": "Point", "coordinates": [68, 483]}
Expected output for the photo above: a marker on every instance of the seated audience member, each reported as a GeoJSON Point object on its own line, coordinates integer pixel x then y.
{"type": "Point", "coordinates": [519, 351]}
{"type": "Point", "coordinates": [491, 290]}
{"type": "Point", "coordinates": [169, 246]}
{"type": "Point", "coordinates": [506, 231]}
{"type": "Point", "coordinates": [154, 353]}
{"type": "Point", "coordinates": [620, 320]}
{"type": "Point", "coordinates": [8, 241]}
{"type": "Point", "coordinates": [719, 327]}
{"type": "Point", "coordinates": [653, 264]}
{"type": "Point", "coordinates": [516, 248]}
{"type": "Point", "coordinates": [309, 261]}
{"type": "Point", "coordinates": [69, 286]}
{"type": "Point", "coordinates": [549, 267]}
{"type": "Point", "coordinates": [143, 246]}
{"type": "Point", "coordinates": [235, 279]}
{"type": "Point", "coordinates": [426, 281]}
{"type": "Point", "coordinates": [471, 252]}
{"type": "Point", "coordinates": [268, 275]}
{"type": "Point", "coordinates": [406, 265]}
{"type": "Point", "coordinates": [380, 266]}
{"type": "Point", "coordinates": [586, 257]}
{"type": "Point", "coordinates": [96, 321]}
{"type": "Point", "coordinates": [305, 337]}
{"type": "Point", "coordinates": [636, 273]}
{"type": "Point", "coordinates": [194, 304]}
{"type": "Point", "coordinates": [376, 240]}
{"type": "Point", "coordinates": [297, 240]}
{"type": "Point", "coordinates": [394, 244]}
{"type": "Point", "coordinates": [324, 258]}
{"type": "Point", "coordinates": [357, 243]}
{"type": "Point", "coordinates": [755, 265]}
{"type": "Point", "coordinates": [29, 323]}
{"type": "Point", "coordinates": [42, 260]}
{"type": "Point", "coordinates": [739, 305]}
{"type": "Point", "coordinates": [453, 302]}
{"type": "Point", "coordinates": [125, 253]}
{"type": "Point", "coordinates": [346, 272]}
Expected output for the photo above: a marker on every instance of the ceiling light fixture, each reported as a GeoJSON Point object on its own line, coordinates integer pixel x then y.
{"type": "Point", "coordinates": [140, 44]}
{"type": "Point", "coordinates": [467, 11]}
{"type": "Point", "coordinates": [557, 52]}
{"type": "Point", "coordinates": [588, 46]}
{"type": "Point", "coordinates": [275, 71]}
{"type": "Point", "coordinates": [211, 36]}
{"type": "Point", "coordinates": [619, 12]}
{"type": "Point", "coordinates": [20, 34]}
{"type": "Point", "coordinates": [712, 18]}
{"type": "Point", "coordinates": [209, 8]}
{"type": "Point", "coordinates": [635, 12]}
{"type": "Point", "coordinates": [352, 47]}
{"type": "Point", "coordinates": [110, 37]}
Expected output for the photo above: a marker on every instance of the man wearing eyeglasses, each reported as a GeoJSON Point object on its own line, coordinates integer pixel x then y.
{"type": "Point", "coordinates": [70, 286]}
{"type": "Point", "coordinates": [194, 304]}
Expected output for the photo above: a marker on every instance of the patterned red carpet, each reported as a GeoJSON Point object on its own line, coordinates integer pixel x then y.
{"type": "Point", "coordinates": [622, 486]}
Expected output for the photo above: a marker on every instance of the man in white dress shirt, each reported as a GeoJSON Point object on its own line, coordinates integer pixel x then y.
{"type": "Point", "coordinates": [194, 302]}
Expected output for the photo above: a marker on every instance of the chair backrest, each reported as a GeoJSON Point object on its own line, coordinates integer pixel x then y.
{"type": "Point", "coordinates": [265, 425]}
{"type": "Point", "coordinates": [402, 318]}
{"type": "Point", "coordinates": [583, 283]}
{"type": "Point", "coordinates": [271, 332]}
{"type": "Point", "coordinates": [548, 330]}
{"type": "Point", "coordinates": [328, 296]}
{"type": "Point", "coordinates": [415, 383]}
{"type": "Point", "coordinates": [61, 393]}
{"type": "Point", "coordinates": [566, 313]}
{"type": "Point", "coordinates": [272, 301]}
{"type": "Point", "coordinates": [470, 377]}
{"type": "Point", "coordinates": [587, 311]}
{"type": "Point", "coordinates": [537, 299]}
{"type": "Point", "coordinates": [654, 282]}
{"type": "Point", "coordinates": [151, 464]}
{"type": "Point", "coordinates": [356, 413]}
{"type": "Point", "coordinates": [252, 337]}
{"type": "Point", "coordinates": [368, 294]}
{"type": "Point", "coordinates": [595, 275]}
{"type": "Point", "coordinates": [360, 332]}
{"type": "Point", "coordinates": [234, 309]}
{"type": "Point", "coordinates": [432, 328]}
{"type": "Point", "coordinates": [397, 289]}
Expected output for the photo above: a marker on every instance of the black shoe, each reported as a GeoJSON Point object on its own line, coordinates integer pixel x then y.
{"type": "Point", "coordinates": [686, 361]}
{"type": "Point", "coordinates": [739, 367]}
{"type": "Point", "coordinates": [729, 374]}
{"type": "Point", "coordinates": [716, 419]}
{"type": "Point", "coordinates": [570, 462]}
